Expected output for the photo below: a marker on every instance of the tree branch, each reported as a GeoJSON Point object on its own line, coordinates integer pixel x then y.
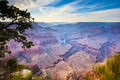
{"type": "Point", "coordinates": [11, 23]}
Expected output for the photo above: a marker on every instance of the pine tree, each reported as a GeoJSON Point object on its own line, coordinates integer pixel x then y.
{"type": "Point", "coordinates": [20, 19]}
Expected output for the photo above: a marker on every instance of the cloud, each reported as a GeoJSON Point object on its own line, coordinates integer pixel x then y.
{"type": "Point", "coordinates": [67, 13]}
{"type": "Point", "coordinates": [73, 12]}
{"type": "Point", "coordinates": [28, 4]}
{"type": "Point", "coordinates": [111, 15]}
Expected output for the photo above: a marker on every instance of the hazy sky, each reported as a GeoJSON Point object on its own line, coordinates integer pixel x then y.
{"type": "Point", "coordinates": [71, 10]}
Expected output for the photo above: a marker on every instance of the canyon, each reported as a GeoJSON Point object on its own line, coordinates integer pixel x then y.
{"type": "Point", "coordinates": [60, 49]}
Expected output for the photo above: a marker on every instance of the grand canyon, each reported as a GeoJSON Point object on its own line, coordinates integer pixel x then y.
{"type": "Point", "coordinates": [61, 48]}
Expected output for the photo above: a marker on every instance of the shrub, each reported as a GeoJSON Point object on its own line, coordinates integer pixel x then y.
{"type": "Point", "coordinates": [108, 71]}
{"type": "Point", "coordinates": [25, 74]}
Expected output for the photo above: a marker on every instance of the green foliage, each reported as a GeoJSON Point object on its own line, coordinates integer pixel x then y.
{"type": "Point", "coordinates": [20, 67]}
{"type": "Point", "coordinates": [11, 64]}
{"type": "Point", "coordinates": [41, 78]}
{"type": "Point", "coordinates": [110, 70]}
{"type": "Point", "coordinates": [88, 77]}
{"type": "Point", "coordinates": [20, 19]}
{"type": "Point", "coordinates": [20, 77]}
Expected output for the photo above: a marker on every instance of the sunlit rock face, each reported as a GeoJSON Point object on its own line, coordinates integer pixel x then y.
{"type": "Point", "coordinates": [61, 70]}
{"type": "Point", "coordinates": [62, 48]}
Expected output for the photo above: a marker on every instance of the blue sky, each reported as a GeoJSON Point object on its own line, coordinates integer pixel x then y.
{"type": "Point", "coordinates": [71, 10]}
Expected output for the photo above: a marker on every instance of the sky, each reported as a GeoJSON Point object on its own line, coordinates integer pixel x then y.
{"type": "Point", "coordinates": [71, 10]}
